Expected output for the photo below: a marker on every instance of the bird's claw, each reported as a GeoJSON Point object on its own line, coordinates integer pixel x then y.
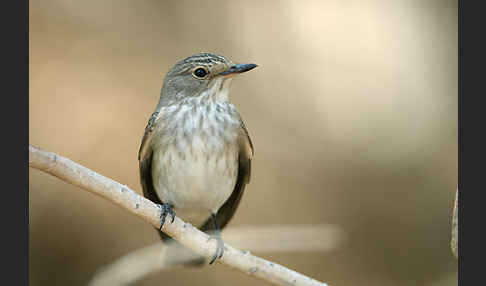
{"type": "Point", "coordinates": [165, 210]}
{"type": "Point", "coordinates": [219, 248]}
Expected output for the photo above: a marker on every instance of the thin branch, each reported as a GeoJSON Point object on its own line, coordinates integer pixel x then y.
{"type": "Point", "coordinates": [454, 236]}
{"type": "Point", "coordinates": [184, 233]}
{"type": "Point", "coordinates": [137, 264]}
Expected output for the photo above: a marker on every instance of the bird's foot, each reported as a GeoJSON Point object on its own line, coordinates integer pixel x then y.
{"type": "Point", "coordinates": [219, 248]}
{"type": "Point", "coordinates": [166, 209]}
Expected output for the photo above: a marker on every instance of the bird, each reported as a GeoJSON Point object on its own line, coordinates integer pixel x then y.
{"type": "Point", "coordinates": [195, 155]}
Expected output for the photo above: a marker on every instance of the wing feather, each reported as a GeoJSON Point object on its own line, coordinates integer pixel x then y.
{"type": "Point", "coordinates": [145, 155]}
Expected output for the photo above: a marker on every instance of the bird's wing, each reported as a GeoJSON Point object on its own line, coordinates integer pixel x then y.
{"type": "Point", "coordinates": [145, 160]}
{"type": "Point", "coordinates": [227, 210]}
{"type": "Point", "coordinates": [145, 165]}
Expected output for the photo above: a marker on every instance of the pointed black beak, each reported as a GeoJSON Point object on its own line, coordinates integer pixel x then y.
{"type": "Point", "coordinates": [239, 68]}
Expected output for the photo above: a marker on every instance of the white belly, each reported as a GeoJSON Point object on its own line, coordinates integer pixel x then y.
{"type": "Point", "coordinates": [194, 181]}
{"type": "Point", "coordinates": [195, 176]}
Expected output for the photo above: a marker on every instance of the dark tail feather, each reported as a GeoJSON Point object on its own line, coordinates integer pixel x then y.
{"type": "Point", "coordinates": [198, 262]}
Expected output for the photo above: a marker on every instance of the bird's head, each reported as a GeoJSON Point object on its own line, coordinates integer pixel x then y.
{"type": "Point", "coordinates": [199, 75]}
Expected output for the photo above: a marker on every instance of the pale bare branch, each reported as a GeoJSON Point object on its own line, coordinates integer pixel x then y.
{"type": "Point", "coordinates": [454, 238]}
{"type": "Point", "coordinates": [184, 233]}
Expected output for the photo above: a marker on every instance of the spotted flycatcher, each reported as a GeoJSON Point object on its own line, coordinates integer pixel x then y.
{"type": "Point", "coordinates": [195, 156]}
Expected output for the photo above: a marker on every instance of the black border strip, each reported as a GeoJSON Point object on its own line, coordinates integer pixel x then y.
{"type": "Point", "coordinates": [15, 137]}
{"type": "Point", "coordinates": [472, 142]}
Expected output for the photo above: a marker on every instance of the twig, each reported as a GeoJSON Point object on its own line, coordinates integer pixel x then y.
{"type": "Point", "coordinates": [184, 233]}
{"type": "Point", "coordinates": [267, 238]}
{"type": "Point", "coordinates": [454, 236]}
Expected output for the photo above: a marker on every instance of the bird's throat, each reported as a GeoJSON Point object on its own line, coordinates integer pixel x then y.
{"type": "Point", "coordinates": [218, 90]}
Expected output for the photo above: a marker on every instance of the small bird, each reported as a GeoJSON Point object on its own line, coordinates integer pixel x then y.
{"type": "Point", "coordinates": [195, 156]}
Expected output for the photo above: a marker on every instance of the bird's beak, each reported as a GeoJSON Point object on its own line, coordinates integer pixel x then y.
{"type": "Point", "coordinates": [238, 68]}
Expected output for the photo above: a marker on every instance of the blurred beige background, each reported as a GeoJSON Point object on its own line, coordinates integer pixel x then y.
{"type": "Point", "coordinates": [352, 112]}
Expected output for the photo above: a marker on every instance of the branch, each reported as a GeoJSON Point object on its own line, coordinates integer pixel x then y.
{"type": "Point", "coordinates": [454, 237]}
{"type": "Point", "coordinates": [184, 233]}
{"type": "Point", "coordinates": [157, 257]}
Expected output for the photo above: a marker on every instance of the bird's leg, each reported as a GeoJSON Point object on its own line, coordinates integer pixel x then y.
{"type": "Point", "coordinates": [217, 236]}
{"type": "Point", "coordinates": [166, 209]}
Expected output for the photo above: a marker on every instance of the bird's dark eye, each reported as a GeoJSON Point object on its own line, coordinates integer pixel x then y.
{"type": "Point", "coordinates": [200, 72]}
